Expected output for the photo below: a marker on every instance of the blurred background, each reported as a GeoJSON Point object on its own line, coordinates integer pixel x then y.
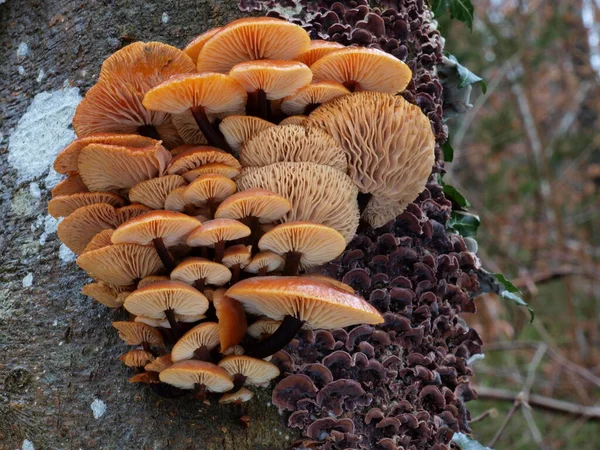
{"type": "Point", "coordinates": [527, 157]}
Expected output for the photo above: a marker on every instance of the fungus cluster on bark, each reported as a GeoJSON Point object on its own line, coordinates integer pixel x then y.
{"type": "Point", "coordinates": [209, 187]}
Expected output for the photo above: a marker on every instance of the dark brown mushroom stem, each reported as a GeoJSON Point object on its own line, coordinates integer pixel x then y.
{"type": "Point", "coordinates": [350, 85]}
{"type": "Point", "coordinates": [238, 382]}
{"type": "Point", "coordinates": [219, 250]}
{"type": "Point", "coordinates": [212, 135]}
{"type": "Point", "coordinates": [170, 313]}
{"type": "Point", "coordinates": [258, 105]}
{"type": "Point", "coordinates": [146, 346]}
{"type": "Point", "coordinates": [263, 271]}
{"type": "Point", "coordinates": [254, 225]}
{"type": "Point", "coordinates": [203, 354]}
{"type": "Point", "coordinates": [235, 273]}
{"type": "Point", "coordinates": [211, 313]}
{"type": "Point", "coordinates": [212, 206]}
{"type": "Point", "coordinates": [278, 340]}
{"type": "Point", "coordinates": [292, 263]}
{"type": "Point", "coordinates": [163, 254]}
{"type": "Point", "coordinates": [200, 391]}
{"type": "Point", "coordinates": [310, 108]}
{"type": "Point", "coordinates": [199, 284]}
{"type": "Point", "coordinates": [149, 131]}
{"type": "Point", "coordinates": [363, 201]}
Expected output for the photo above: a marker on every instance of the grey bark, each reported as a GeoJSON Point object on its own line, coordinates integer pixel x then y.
{"type": "Point", "coordinates": [58, 351]}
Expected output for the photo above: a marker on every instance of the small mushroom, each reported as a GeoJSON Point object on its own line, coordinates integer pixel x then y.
{"type": "Point", "coordinates": [137, 358]}
{"type": "Point", "coordinates": [73, 184]}
{"type": "Point", "coordinates": [102, 239]}
{"type": "Point", "coordinates": [200, 272]}
{"type": "Point", "coordinates": [197, 156]}
{"type": "Point", "coordinates": [214, 233]}
{"type": "Point", "coordinates": [201, 376]}
{"type": "Point", "coordinates": [208, 191]}
{"type": "Point", "coordinates": [237, 397]}
{"type": "Point", "coordinates": [139, 334]}
{"type": "Point", "coordinates": [296, 301]}
{"type": "Point", "coordinates": [216, 168]}
{"type": "Point", "coordinates": [79, 228]}
{"type": "Point", "coordinates": [318, 49]}
{"type": "Point", "coordinates": [146, 281]}
{"type": "Point", "coordinates": [155, 191]}
{"type": "Point", "coordinates": [299, 119]}
{"type": "Point", "coordinates": [193, 48]}
{"type": "Point", "coordinates": [232, 320]}
{"type": "Point", "coordinates": [239, 129]}
{"type": "Point", "coordinates": [159, 364]}
{"type": "Point", "coordinates": [197, 343]}
{"type": "Point", "coordinates": [64, 205]}
{"type": "Point", "coordinates": [105, 293]}
{"type": "Point", "coordinates": [246, 371]}
{"type": "Point", "coordinates": [263, 328]}
{"type": "Point", "coordinates": [307, 99]}
{"type": "Point", "coordinates": [237, 258]}
{"type": "Point", "coordinates": [304, 244]}
{"type": "Point", "coordinates": [265, 262]}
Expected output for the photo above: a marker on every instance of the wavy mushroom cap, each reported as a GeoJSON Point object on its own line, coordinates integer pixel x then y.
{"type": "Point", "coordinates": [212, 168]}
{"type": "Point", "coordinates": [134, 333]}
{"type": "Point", "coordinates": [237, 255]}
{"type": "Point", "coordinates": [257, 371]}
{"type": "Point", "coordinates": [102, 239]}
{"type": "Point", "coordinates": [175, 200]}
{"type": "Point", "coordinates": [298, 119]}
{"type": "Point", "coordinates": [73, 184]}
{"type": "Point", "coordinates": [361, 123]}
{"type": "Point", "coordinates": [195, 46]}
{"type": "Point", "coordinates": [159, 364]}
{"type": "Point", "coordinates": [188, 129]}
{"type": "Point", "coordinates": [239, 129]}
{"type": "Point", "coordinates": [265, 205]}
{"type": "Point", "coordinates": [207, 187]}
{"type": "Point", "coordinates": [150, 279]}
{"type": "Point", "coordinates": [152, 301]}
{"type": "Point", "coordinates": [318, 244]}
{"type": "Point", "coordinates": [277, 79]}
{"type": "Point", "coordinates": [79, 228]}
{"type": "Point", "coordinates": [195, 268]}
{"type": "Point", "coordinates": [317, 303]}
{"type": "Point", "coordinates": [232, 320]}
{"type": "Point", "coordinates": [67, 160]}
{"type": "Point", "coordinates": [105, 293]}
{"type": "Point", "coordinates": [154, 192]}
{"type": "Point", "coordinates": [317, 50]}
{"type": "Point", "coordinates": [216, 230]}
{"type": "Point", "coordinates": [215, 92]}
{"type": "Point", "coordinates": [187, 374]}
{"type": "Point", "coordinates": [293, 143]}
{"type": "Point", "coordinates": [317, 193]}
{"type": "Point", "coordinates": [64, 205]}
{"type": "Point", "coordinates": [309, 97]}
{"type": "Point", "coordinates": [121, 264]}
{"type": "Point", "coordinates": [267, 261]}
{"type": "Point", "coordinates": [197, 156]}
{"type": "Point", "coordinates": [263, 327]}
{"type": "Point", "coordinates": [204, 335]}
{"type": "Point", "coordinates": [172, 227]}
{"type": "Point", "coordinates": [250, 39]}
{"type": "Point", "coordinates": [137, 358]}
{"type": "Point", "coordinates": [363, 69]}
{"type": "Point", "coordinates": [240, 396]}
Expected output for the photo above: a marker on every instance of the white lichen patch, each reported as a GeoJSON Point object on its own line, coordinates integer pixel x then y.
{"type": "Point", "coordinates": [23, 50]}
{"type": "Point", "coordinates": [34, 190]}
{"type": "Point", "coordinates": [41, 76]}
{"type": "Point", "coordinates": [27, 445]}
{"type": "Point", "coordinates": [165, 18]}
{"type": "Point", "coordinates": [50, 226]}
{"type": "Point", "coordinates": [42, 132]}
{"type": "Point", "coordinates": [65, 254]}
{"type": "Point", "coordinates": [21, 70]}
{"type": "Point", "coordinates": [28, 280]}
{"type": "Point", "coordinates": [98, 408]}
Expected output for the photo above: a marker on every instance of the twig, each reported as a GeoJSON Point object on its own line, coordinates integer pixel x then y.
{"type": "Point", "coordinates": [516, 404]}
{"type": "Point", "coordinates": [492, 412]}
{"type": "Point", "coordinates": [550, 404]}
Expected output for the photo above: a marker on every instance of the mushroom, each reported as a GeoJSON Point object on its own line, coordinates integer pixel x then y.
{"type": "Point", "coordinates": [363, 69]}
{"type": "Point", "coordinates": [250, 39]}
{"type": "Point", "coordinates": [335, 283]}
{"type": "Point", "coordinates": [110, 168]}
{"type": "Point", "coordinates": [176, 202]}
{"type": "Point", "coordinates": [263, 328]}
{"type": "Point", "coordinates": [197, 343]}
{"type": "Point", "coordinates": [317, 193]}
{"type": "Point", "coordinates": [67, 160]}
{"type": "Point", "coordinates": [214, 168]}
{"type": "Point", "coordinates": [201, 376]}
{"type": "Point", "coordinates": [79, 228]}
{"type": "Point", "coordinates": [304, 244]}
{"type": "Point", "coordinates": [202, 94]}
{"type": "Point", "coordinates": [200, 271]}
{"type": "Point", "coordinates": [214, 233]}
{"type": "Point", "coordinates": [73, 184]}
{"type": "Point", "coordinates": [317, 50]}
{"type": "Point", "coordinates": [146, 281]}
{"type": "Point", "coordinates": [265, 262]}
{"type": "Point", "coordinates": [159, 364]}
{"type": "Point", "coordinates": [64, 205]}
{"type": "Point", "coordinates": [166, 299]}
{"type": "Point", "coordinates": [105, 293]}
{"type": "Point", "coordinates": [268, 80]}
{"type": "Point", "coordinates": [236, 258]}
{"type": "Point", "coordinates": [307, 99]}
{"type": "Point", "coordinates": [114, 104]}
{"type": "Point", "coordinates": [293, 143]}
{"type": "Point", "coordinates": [197, 156]}
{"type": "Point", "coordinates": [160, 228]}
{"type": "Point", "coordinates": [145, 377]}
{"type": "Point", "coordinates": [238, 129]}
{"type": "Point", "coordinates": [137, 359]}
{"type": "Point", "coordinates": [186, 126]}
{"type": "Point", "coordinates": [102, 239]}
{"type": "Point", "coordinates": [397, 171]}
{"type": "Point", "coordinates": [237, 397]}
{"type": "Point", "coordinates": [232, 320]}
{"type": "Point", "coordinates": [295, 120]}
{"type": "Point", "coordinates": [208, 191]}
{"type": "Point", "coordinates": [155, 191]}
{"type": "Point", "coordinates": [246, 371]}
{"type": "Point", "coordinates": [296, 301]}
{"type": "Point", "coordinates": [234, 350]}
{"type": "Point", "coordinates": [134, 333]}
{"type": "Point", "coordinates": [194, 47]}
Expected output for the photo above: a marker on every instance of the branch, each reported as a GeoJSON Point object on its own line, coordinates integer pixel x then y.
{"type": "Point", "coordinates": [539, 401]}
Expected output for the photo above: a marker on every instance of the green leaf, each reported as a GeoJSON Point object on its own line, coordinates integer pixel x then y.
{"type": "Point", "coordinates": [448, 151]}
{"type": "Point", "coordinates": [466, 77]}
{"type": "Point", "coordinates": [438, 7]}
{"type": "Point", "coordinates": [467, 443]}
{"type": "Point", "coordinates": [512, 293]}
{"type": "Point", "coordinates": [462, 10]}
{"type": "Point", "coordinates": [464, 223]}
{"type": "Point", "coordinates": [454, 194]}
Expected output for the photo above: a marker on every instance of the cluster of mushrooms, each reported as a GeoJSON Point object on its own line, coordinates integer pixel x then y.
{"type": "Point", "coordinates": [208, 185]}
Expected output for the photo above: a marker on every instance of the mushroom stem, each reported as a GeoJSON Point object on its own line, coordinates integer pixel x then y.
{"type": "Point", "coordinates": [146, 346]}
{"type": "Point", "coordinates": [263, 271]}
{"type": "Point", "coordinates": [212, 205]}
{"type": "Point", "coordinates": [278, 340]}
{"type": "Point", "coordinates": [170, 313]}
{"type": "Point", "coordinates": [350, 85]}
{"type": "Point", "coordinates": [363, 201]}
{"type": "Point", "coordinates": [238, 382]}
{"type": "Point", "coordinates": [202, 353]}
{"type": "Point", "coordinates": [200, 391]}
{"type": "Point", "coordinates": [235, 273]}
{"type": "Point", "coordinates": [258, 104]}
{"type": "Point", "coordinates": [212, 135]}
{"type": "Point", "coordinates": [149, 131]}
{"type": "Point", "coordinates": [164, 254]}
{"type": "Point", "coordinates": [292, 263]}
{"type": "Point", "coordinates": [199, 284]}
{"type": "Point", "coordinates": [219, 250]}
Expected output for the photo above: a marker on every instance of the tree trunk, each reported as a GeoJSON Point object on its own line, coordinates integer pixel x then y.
{"type": "Point", "coordinates": [61, 384]}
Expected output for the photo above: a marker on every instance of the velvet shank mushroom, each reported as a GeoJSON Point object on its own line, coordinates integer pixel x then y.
{"type": "Point", "coordinates": [296, 301]}
{"type": "Point", "coordinates": [232, 320]}
{"type": "Point", "coordinates": [139, 334]}
{"type": "Point", "coordinates": [246, 371]}
{"type": "Point", "coordinates": [214, 233]}
{"type": "Point", "coordinates": [137, 358]}
{"type": "Point", "coordinates": [265, 262]}
{"type": "Point", "coordinates": [317, 50]}
{"type": "Point", "coordinates": [307, 99]}
{"type": "Point", "coordinates": [155, 191]}
{"type": "Point", "coordinates": [239, 129]}
{"type": "Point", "coordinates": [197, 343]}
{"type": "Point", "coordinates": [237, 258]}
{"type": "Point", "coordinates": [193, 48]}
{"type": "Point", "coordinates": [201, 376]}
{"type": "Point", "coordinates": [200, 272]}
{"type": "Point", "coordinates": [209, 191]}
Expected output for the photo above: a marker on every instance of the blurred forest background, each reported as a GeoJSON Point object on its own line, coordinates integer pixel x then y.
{"type": "Point", "coordinates": [527, 157]}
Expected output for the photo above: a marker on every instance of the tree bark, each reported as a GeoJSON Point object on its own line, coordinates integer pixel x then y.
{"type": "Point", "coordinates": [61, 383]}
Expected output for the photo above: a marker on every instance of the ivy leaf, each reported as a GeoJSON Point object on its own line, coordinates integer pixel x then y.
{"type": "Point", "coordinates": [467, 443]}
{"type": "Point", "coordinates": [448, 151]}
{"type": "Point", "coordinates": [511, 292]}
{"type": "Point", "coordinates": [459, 9]}
{"type": "Point", "coordinates": [466, 77]}
{"type": "Point", "coordinates": [455, 195]}
{"type": "Point", "coordinates": [464, 223]}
